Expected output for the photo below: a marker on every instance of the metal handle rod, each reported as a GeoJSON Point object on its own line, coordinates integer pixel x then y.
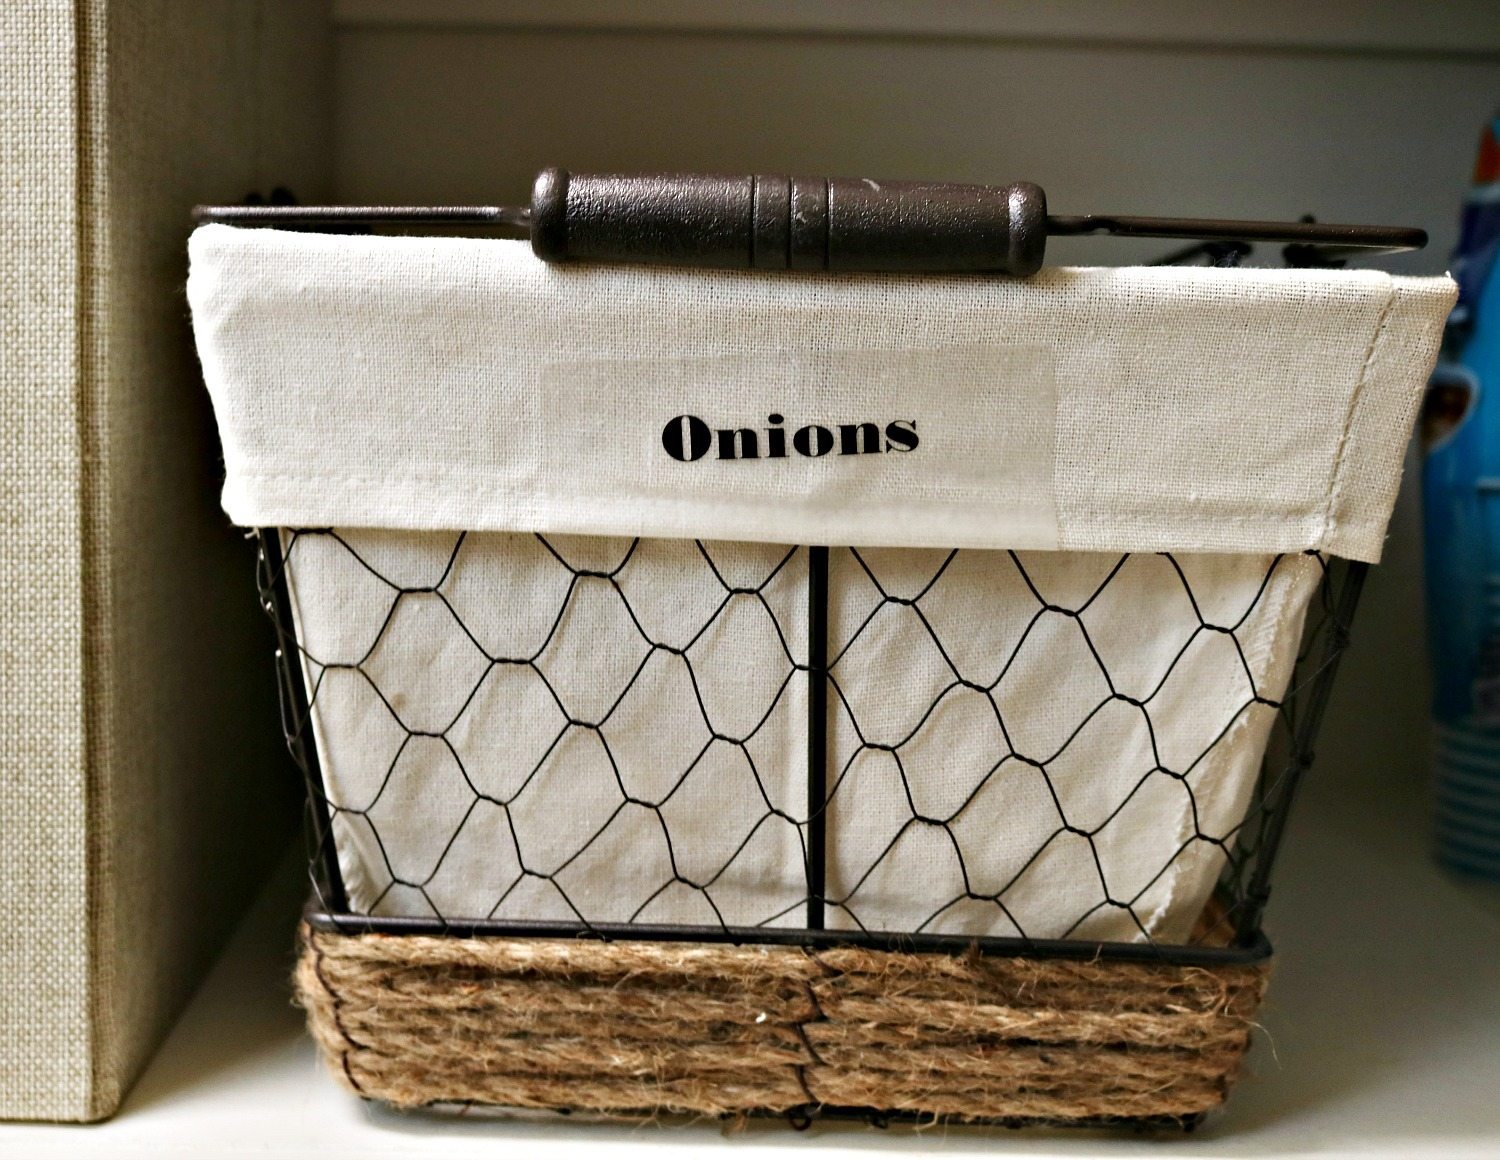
{"type": "Point", "coordinates": [517, 218]}
{"type": "Point", "coordinates": [512, 217]}
{"type": "Point", "coordinates": [762, 221]}
{"type": "Point", "coordinates": [1379, 239]}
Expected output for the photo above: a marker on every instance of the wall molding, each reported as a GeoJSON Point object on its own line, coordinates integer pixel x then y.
{"type": "Point", "coordinates": [1462, 28]}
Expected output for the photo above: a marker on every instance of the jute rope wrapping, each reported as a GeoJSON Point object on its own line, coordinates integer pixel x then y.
{"type": "Point", "coordinates": [642, 1029]}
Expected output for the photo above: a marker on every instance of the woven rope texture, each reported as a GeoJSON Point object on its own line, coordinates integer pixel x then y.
{"type": "Point", "coordinates": [641, 1029]}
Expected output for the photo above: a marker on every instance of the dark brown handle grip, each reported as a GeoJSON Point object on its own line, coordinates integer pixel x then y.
{"type": "Point", "coordinates": [788, 223]}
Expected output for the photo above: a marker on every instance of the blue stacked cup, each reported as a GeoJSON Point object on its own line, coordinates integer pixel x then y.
{"type": "Point", "coordinates": [1461, 507]}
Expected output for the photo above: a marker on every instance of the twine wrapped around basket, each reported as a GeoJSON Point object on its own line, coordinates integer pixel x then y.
{"type": "Point", "coordinates": [725, 693]}
{"type": "Point", "coordinates": [651, 1028]}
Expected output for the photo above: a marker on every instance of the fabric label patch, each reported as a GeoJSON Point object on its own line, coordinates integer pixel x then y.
{"type": "Point", "coordinates": [945, 434]}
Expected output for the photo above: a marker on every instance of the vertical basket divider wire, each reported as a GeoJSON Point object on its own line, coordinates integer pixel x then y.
{"type": "Point", "coordinates": [817, 736]}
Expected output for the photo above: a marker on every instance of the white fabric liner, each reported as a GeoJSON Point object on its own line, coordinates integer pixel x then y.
{"type": "Point", "coordinates": [484, 740]}
{"type": "Point", "coordinates": [446, 383]}
{"type": "Point", "coordinates": [1068, 753]}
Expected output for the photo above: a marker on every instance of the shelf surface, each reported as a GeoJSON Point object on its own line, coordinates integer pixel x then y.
{"type": "Point", "coordinates": [1382, 1039]}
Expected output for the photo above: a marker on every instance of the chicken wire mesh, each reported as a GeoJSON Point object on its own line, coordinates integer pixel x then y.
{"type": "Point", "coordinates": [710, 741]}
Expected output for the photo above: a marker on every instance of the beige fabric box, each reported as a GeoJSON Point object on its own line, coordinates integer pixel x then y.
{"type": "Point", "coordinates": [137, 813]}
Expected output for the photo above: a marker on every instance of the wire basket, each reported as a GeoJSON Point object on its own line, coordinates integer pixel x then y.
{"type": "Point", "coordinates": [519, 829]}
{"type": "Point", "coordinates": [648, 825]}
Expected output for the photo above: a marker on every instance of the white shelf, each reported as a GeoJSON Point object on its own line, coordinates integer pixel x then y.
{"type": "Point", "coordinates": [1384, 1015]}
